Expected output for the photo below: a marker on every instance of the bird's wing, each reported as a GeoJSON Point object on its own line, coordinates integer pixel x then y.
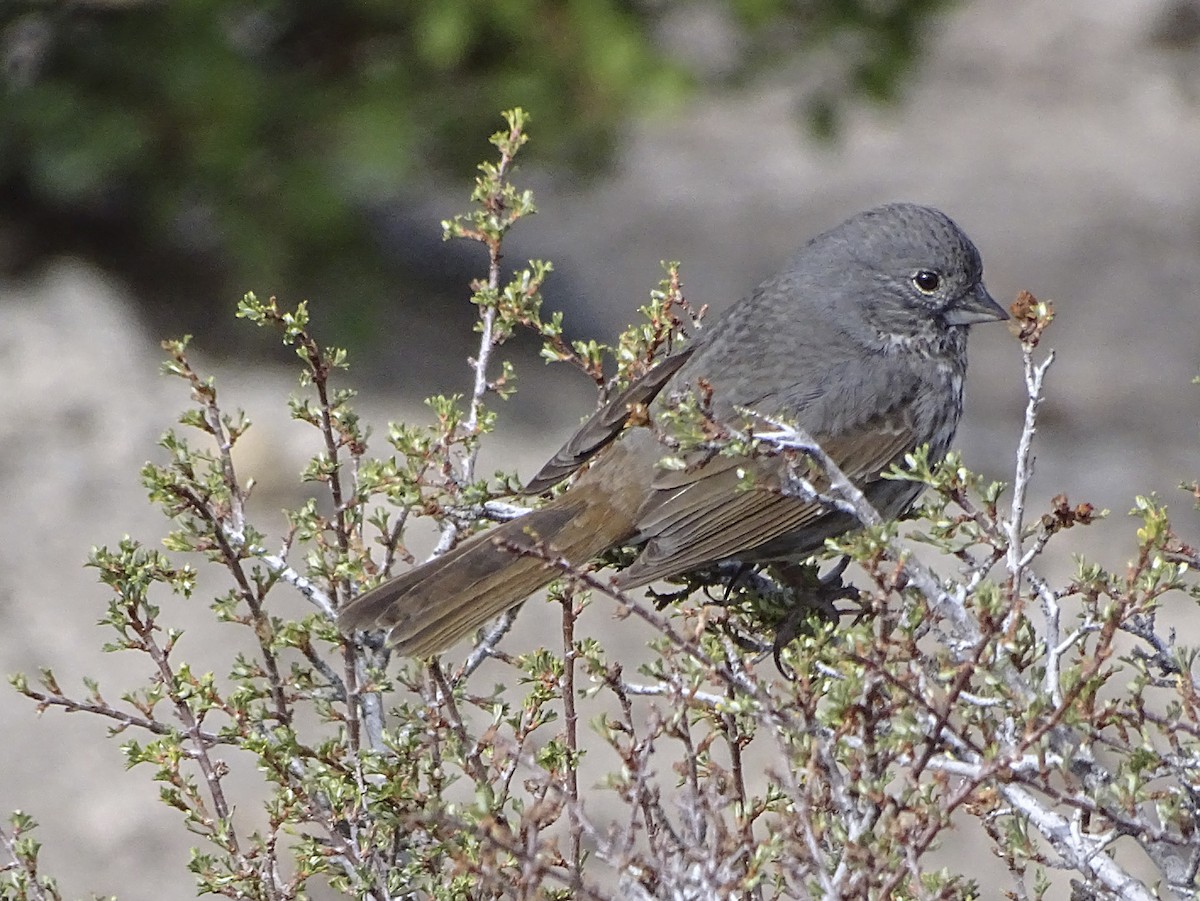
{"type": "Point", "coordinates": [704, 515]}
{"type": "Point", "coordinates": [606, 423]}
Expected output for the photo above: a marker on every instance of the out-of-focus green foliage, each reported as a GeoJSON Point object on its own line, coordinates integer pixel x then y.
{"type": "Point", "coordinates": [257, 133]}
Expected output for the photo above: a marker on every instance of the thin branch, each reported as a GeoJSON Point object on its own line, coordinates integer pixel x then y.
{"type": "Point", "coordinates": [1083, 852]}
{"type": "Point", "coordinates": [487, 325]}
{"type": "Point", "coordinates": [486, 646]}
{"type": "Point", "coordinates": [1014, 526]}
{"type": "Point", "coordinates": [951, 604]}
{"type": "Point", "coordinates": [571, 733]}
{"type": "Point", "coordinates": [123, 718]}
{"type": "Point", "coordinates": [502, 511]}
{"type": "Point", "coordinates": [278, 566]}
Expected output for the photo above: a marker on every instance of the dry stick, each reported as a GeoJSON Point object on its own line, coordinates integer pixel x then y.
{"type": "Point", "coordinates": [278, 566]}
{"type": "Point", "coordinates": [716, 702]}
{"type": "Point", "coordinates": [486, 645]}
{"type": "Point", "coordinates": [1073, 846]}
{"type": "Point", "coordinates": [1017, 561]}
{"type": "Point", "coordinates": [354, 664]}
{"type": "Point", "coordinates": [774, 720]}
{"type": "Point", "coordinates": [945, 810]}
{"type": "Point", "coordinates": [1123, 825]}
{"type": "Point", "coordinates": [487, 324]}
{"type": "Point", "coordinates": [692, 822]}
{"type": "Point", "coordinates": [450, 530]}
{"type": "Point", "coordinates": [320, 376]}
{"type": "Point", "coordinates": [616, 848]}
{"type": "Point", "coordinates": [805, 818]}
{"type": "Point", "coordinates": [1034, 376]}
{"type": "Point", "coordinates": [571, 731]}
{"type": "Point", "coordinates": [1010, 531]}
{"type": "Point", "coordinates": [733, 735]}
{"type": "Point", "coordinates": [573, 881]}
{"type": "Point", "coordinates": [521, 733]}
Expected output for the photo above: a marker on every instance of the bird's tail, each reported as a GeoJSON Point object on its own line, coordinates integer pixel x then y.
{"type": "Point", "coordinates": [432, 606]}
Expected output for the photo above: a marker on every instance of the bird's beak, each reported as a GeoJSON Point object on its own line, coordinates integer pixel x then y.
{"type": "Point", "coordinates": [978, 306]}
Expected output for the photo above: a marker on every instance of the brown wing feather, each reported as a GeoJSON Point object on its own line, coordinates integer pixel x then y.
{"type": "Point", "coordinates": [704, 515]}
{"type": "Point", "coordinates": [741, 524]}
{"type": "Point", "coordinates": [433, 605]}
{"type": "Point", "coordinates": [606, 423]}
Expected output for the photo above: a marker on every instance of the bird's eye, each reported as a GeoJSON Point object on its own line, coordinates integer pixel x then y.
{"type": "Point", "coordinates": [926, 281]}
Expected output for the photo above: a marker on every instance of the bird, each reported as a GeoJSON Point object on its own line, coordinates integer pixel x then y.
{"type": "Point", "coordinates": [860, 341]}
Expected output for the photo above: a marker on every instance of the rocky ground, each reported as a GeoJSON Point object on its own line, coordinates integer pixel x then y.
{"type": "Point", "coordinates": [1064, 137]}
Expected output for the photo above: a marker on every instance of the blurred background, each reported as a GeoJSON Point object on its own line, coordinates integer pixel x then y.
{"type": "Point", "coordinates": [158, 160]}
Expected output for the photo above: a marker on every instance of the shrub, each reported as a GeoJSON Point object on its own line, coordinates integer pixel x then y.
{"type": "Point", "coordinates": [1062, 721]}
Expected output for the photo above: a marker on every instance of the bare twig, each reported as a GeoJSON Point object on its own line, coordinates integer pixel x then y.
{"type": "Point", "coordinates": [124, 719]}
{"type": "Point", "coordinates": [1035, 374]}
{"type": "Point", "coordinates": [571, 733]}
